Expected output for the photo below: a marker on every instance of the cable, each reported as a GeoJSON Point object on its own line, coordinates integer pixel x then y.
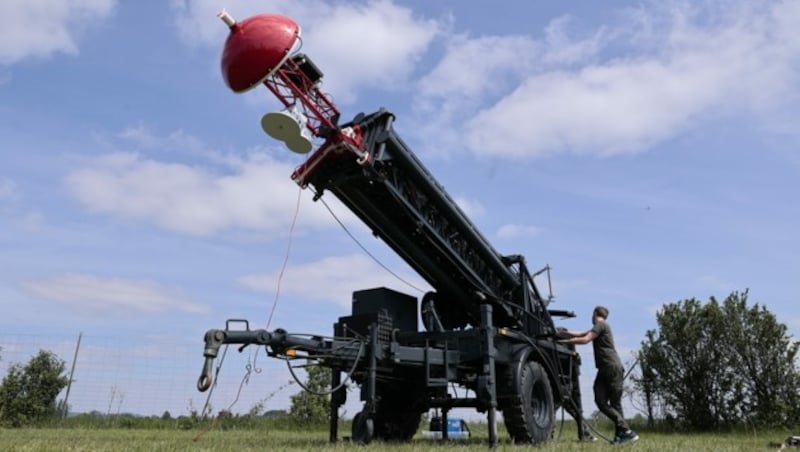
{"type": "Point", "coordinates": [283, 269]}
{"type": "Point", "coordinates": [363, 248]}
{"type": "Point", "coordinates": [216, 376]}
{"type": "Point", "coordinates": [254, 368]}
{"type": "Point", "coordinates": [339, 386]}
{"type": "Point", "coordinates": [561, 427]}
{"type": "Point", "coordinates": [286, 257]}
{"type": "Point", "coordinates": [589, 425]}
{"type": "Point", "coordinates": [582, 418]}
{"type": "Point", "coordinates": [245, 380]}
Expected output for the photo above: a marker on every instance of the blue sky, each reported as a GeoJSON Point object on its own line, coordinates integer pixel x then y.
{"type": "Point", "coordinates": [646, 151]}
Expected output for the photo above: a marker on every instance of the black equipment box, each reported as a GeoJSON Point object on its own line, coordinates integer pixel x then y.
{"type": "Point", "coordinates": [402, 308]}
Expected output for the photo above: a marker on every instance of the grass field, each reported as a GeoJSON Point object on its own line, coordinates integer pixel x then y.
{"type": "Point", "coordinates": [116, 439]}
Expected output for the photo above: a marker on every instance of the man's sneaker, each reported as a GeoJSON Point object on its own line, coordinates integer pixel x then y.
{"type": "Point", "coordinates": [626, 437]}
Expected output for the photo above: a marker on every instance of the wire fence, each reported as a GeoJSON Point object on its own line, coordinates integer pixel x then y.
{"type": "Point", "coordinates": [149, 376]}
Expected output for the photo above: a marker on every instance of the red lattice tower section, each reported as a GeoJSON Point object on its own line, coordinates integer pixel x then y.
{"type": "Point", "coordinates": [263, 49]}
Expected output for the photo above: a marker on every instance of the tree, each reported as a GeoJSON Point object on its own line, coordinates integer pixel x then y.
{"type": "Point", "coordinates": [766, 356]}
{"type": "Point", "coordinates": [717, 365]}
{"type": "Point", "coordinates": [313, 406]}
{"type": "Point", "coordinates": [28, 393]}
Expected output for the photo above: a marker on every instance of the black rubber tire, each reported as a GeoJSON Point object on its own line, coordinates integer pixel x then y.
{"type": "Point", "coordinates": [397, 415]}
{"type": "Point", "coordinates": [529, 410]}
{"type": "Point", "coordinates": [396, 426]}
{"type": "Point", "coordinates": [363, 430]}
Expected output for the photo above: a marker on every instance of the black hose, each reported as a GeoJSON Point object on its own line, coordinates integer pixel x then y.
{"type": "Point", "coordinates": [341, 385]}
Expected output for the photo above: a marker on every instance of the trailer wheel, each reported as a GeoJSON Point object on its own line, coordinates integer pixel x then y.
{"type": "Point", "coordinates": [363, 428]}
{"type": "Point", "coordinates": [397, 417]}
{"type": "Point", "coordinates": [397, 426]}
{"type": "Point", "coordinates": [529, 412]}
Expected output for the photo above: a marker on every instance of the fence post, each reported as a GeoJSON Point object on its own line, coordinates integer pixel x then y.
{"type": "Point", "coordinates": [71, 373]}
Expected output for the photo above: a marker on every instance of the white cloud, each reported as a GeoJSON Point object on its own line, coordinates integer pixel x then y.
{"type": "Point", "coordinates": [374, 45]}
{"type": "Point", "coordinates": [602, 110]}
{"type": "Point", "coordinates": [256, 194]}
{"type": "Point", "coordinates": [141, 137]}
{"type": "Point", "coordinates": [39, 28]}
{"type": "Point", "coordinates": [471, 68]}
{"type": "Point", "coordinates": [515, 231]}
{"type": "Point", "coordinates": [663, 71]}
{"type": "Point", "coordinates": [479, 71]}
{"type": "Point", "coordinates": [561, 49]}
{"type": "Point", "coordinates": [331, 280]}
{"type": "Point", "coordinates": [94, 294]}
{"type": "Point", "coordinates": [356, 45]}
{"type": "Point", "coordinates": [474, 70]}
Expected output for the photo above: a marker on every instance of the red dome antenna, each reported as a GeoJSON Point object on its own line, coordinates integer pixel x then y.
{"type": "Point", "coordinates": [265, 49]}
{"type": "Point", "coordinates": [256, 48]}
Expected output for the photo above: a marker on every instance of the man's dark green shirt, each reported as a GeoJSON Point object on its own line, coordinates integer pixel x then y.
{"type": "Point", "coordinates": [605, 355]}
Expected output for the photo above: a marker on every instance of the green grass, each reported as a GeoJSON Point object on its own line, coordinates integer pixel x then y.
{"type": "Point", "coordinates": [134, 439]}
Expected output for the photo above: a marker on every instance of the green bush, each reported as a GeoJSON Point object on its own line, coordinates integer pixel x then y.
{"type": "Point", "coordinates": [28, 393]}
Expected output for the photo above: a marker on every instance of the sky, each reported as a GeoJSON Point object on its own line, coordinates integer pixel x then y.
{"type": "Point", "coordinates": [646, 151]}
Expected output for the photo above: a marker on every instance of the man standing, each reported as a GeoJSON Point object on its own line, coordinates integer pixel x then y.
{"type": "Point", "coordinates": [608, 383]}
